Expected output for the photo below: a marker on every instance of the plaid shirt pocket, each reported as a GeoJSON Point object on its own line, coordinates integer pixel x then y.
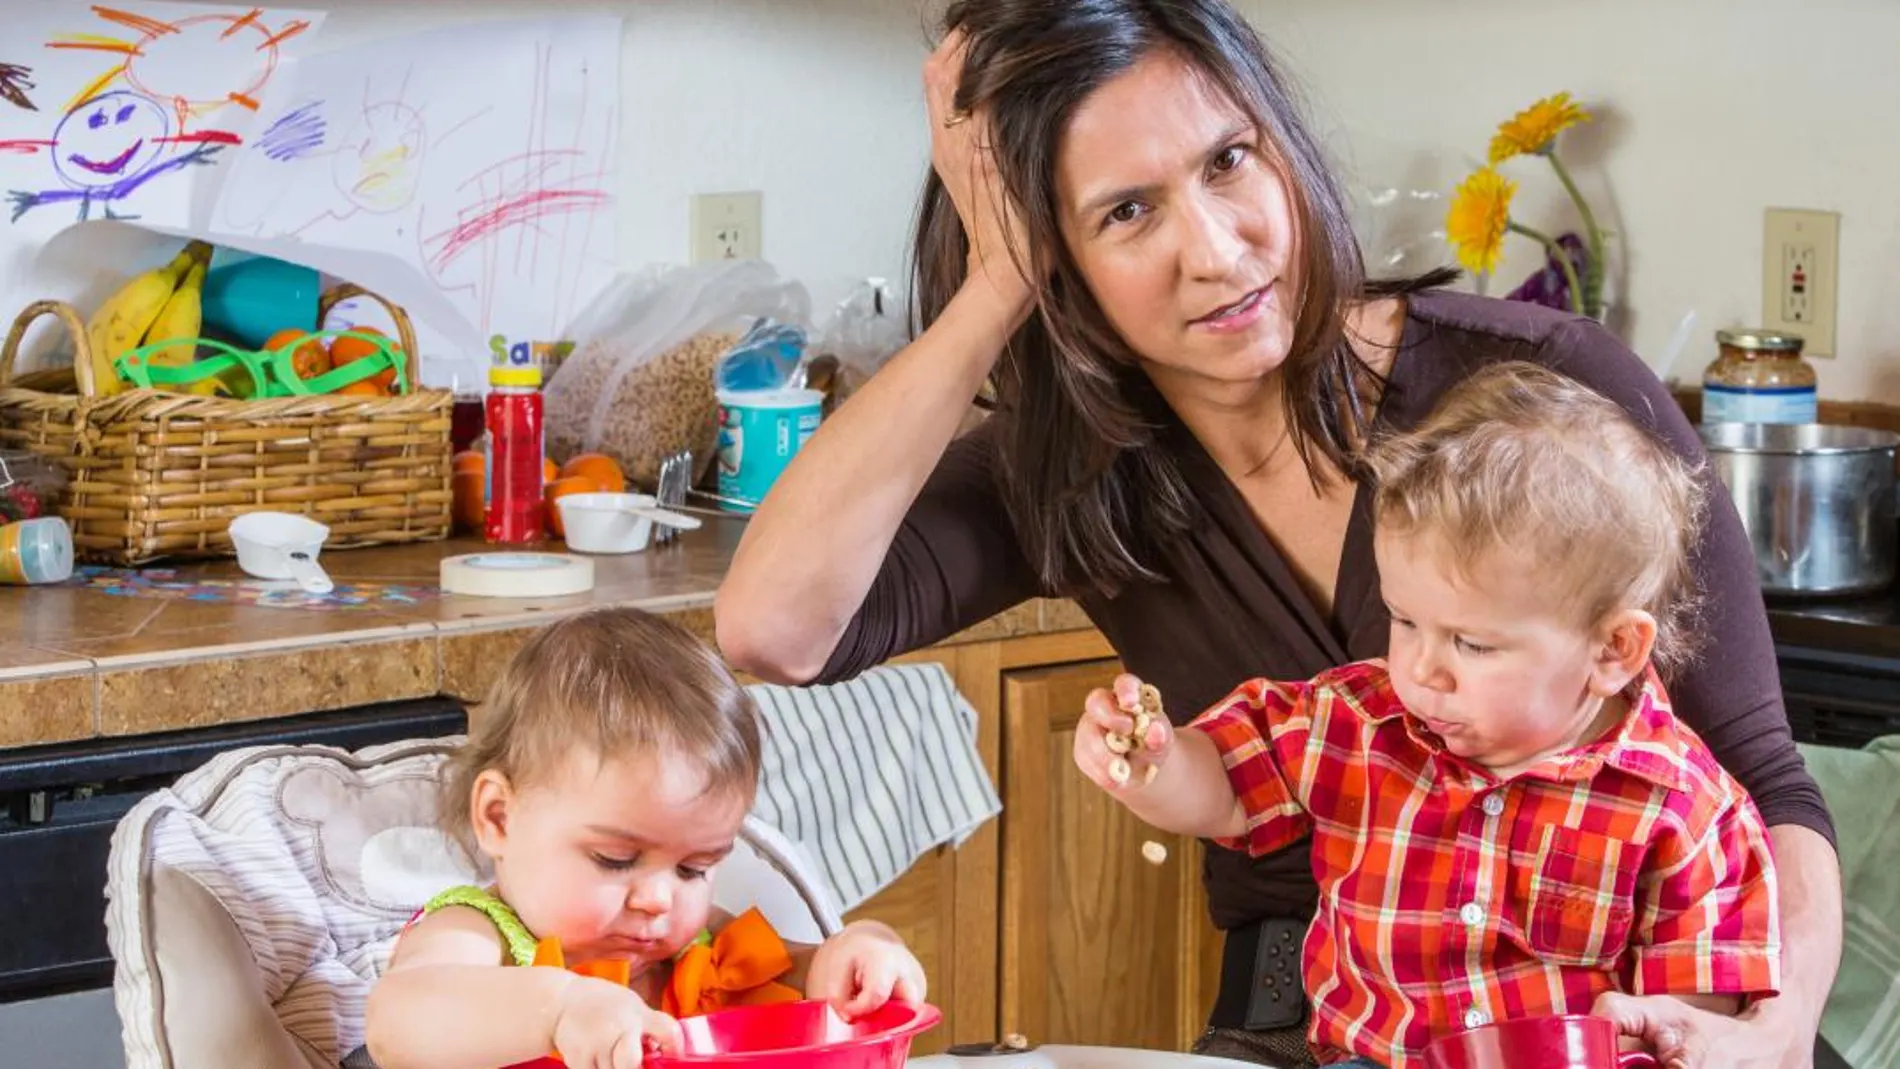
{"type": "Point", "coordinates": [1582, 898]}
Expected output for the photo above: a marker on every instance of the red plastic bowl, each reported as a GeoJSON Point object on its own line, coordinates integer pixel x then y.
{"type": "Point", "coordinates": [801, 1034]}
{"type": "Point", "coordinates": [1570, 1041]}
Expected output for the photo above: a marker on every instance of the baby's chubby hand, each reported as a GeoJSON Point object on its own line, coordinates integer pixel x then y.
{"type": "Point", "coordinates": [1107, 748]}
{"type": "Point", "coordinates": [862, 968]}
{"type": "Point", "coordinates": [604, 1025]}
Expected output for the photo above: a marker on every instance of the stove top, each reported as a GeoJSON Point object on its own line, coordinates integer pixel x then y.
{"type": "Point", "coordinates": [1867, 624]}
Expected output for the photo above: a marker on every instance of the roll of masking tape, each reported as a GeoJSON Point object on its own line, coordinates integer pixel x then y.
{"type": "Point", "coordinates": [517, 575]}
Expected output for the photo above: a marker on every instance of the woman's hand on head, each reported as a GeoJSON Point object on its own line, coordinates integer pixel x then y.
{"type": "Point", "coordinates": [960, 151]}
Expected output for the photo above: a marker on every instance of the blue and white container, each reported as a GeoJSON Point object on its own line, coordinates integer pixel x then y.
{"type": "Point", "coordinates": [760, 431]}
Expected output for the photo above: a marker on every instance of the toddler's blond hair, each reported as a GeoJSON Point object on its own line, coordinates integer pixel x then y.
{"type": "Point", "coordinates": [1520, 456]}
{"type": "Point", "coordinates": [617, 682]}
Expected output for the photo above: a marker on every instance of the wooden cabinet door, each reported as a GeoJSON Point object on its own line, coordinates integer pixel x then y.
{"type": "Point", "coordinates": [1098, 945]}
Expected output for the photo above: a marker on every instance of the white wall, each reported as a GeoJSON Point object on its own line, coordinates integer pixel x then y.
{"type": "Point", "coordinates": [1712, 111]}
{"type": "Point", "coordinates": [816, 103]}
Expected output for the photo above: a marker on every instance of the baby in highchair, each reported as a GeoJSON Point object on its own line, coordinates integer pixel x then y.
{"type": "Point", "coordinates": [605, 778]}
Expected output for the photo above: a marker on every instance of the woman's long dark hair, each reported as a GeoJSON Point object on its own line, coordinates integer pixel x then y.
{"type": "Point", "coordinates": [1075, 412]}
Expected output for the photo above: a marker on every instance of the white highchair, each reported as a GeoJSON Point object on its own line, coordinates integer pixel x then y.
{"type": "Point", "coordinates": [253, 903]}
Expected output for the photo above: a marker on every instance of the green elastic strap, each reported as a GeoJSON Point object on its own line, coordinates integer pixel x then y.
{"type": "Point", "coordinates": [516, 934]}
{"type": "Point", "coordinates": [703, 939]}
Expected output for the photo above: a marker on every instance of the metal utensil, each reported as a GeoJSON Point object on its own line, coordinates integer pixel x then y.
{"type": "Point", "coordinates": [676, 475]}
{"type": "Point", "coordinates": [716, 498]}
{"type": "Point", "coordinates": [1817, 501]}
{"type": "Point", "coordinates": [666, 519]}
{"type": "Point", "coordinates": [711, 513]}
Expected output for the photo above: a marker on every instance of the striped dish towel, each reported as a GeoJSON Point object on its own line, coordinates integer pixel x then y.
{"type": "Point", "coordinates": [871, 774]}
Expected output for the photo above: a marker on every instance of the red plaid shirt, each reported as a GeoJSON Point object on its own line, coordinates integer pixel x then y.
{"type": "Point", "coordinates": [1448, 899]}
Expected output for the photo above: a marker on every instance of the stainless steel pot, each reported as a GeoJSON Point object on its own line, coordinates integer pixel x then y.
{"type": "Point", "coordinates": [1817, 500]}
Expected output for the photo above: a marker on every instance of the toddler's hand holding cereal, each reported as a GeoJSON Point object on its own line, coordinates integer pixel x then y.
{"type": "Point", "coordinates": [862, 968]}
{"type": "Point", "coordinates": [603, 1025]}
{"type": "Point", "coordinates": [1123, 736]}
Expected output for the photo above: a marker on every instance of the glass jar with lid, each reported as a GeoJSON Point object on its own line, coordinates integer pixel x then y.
{"type": "Point", "coordinates": [1758, 377]}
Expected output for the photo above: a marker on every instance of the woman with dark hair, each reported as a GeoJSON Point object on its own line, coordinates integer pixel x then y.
{"type": "Point", "coordinates": [1130, 236]}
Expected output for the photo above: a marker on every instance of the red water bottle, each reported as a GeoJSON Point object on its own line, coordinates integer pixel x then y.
{"type": "Point", "coordinates": [514, 455]}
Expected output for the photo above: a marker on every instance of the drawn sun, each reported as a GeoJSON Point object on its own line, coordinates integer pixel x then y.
{"type": "Point", "coordinates": [166, 60]}
{"type": "Point", "coordinates": [109, 138]}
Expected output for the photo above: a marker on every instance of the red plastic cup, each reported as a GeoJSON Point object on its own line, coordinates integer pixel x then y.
{"type": "Point", "coordinates": [1569, 1041]}
{"type": "Point", "coordinates": [800, 1034]}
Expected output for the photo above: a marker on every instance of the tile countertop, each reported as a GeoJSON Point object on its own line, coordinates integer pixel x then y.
{"type": "Point", "coordinates": [77, 663]}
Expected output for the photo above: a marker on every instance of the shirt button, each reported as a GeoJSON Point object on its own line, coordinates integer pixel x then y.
{"type": "Point", "coordinates": [1493, 804]}
{"type": "Point", "coordinates": [1471, 913]}
{"type": "Point", "coordinates": [1476, 1018]}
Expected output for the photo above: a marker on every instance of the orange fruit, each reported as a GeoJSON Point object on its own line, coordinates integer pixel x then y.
{"type": "Point", "coordinates": [549, 471]}
{"type": "Point", "coordinates": [560, 488]}
{"type": "Point", "coordinates": [366, 388]}
{"type": "Point", "coordinates": [470, 506]}
{"type": "Point", "coordinates": [601, 469]}
{"type": "Point", "coordinates": [345, 350]}
{"type": "Point", "coordinates": [308, 360]}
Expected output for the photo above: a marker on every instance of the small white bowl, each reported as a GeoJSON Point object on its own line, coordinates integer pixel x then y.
{"type": "Point", "coordinates": [596, 523]}
{"type": "Point", "coordinates": [281, 545]}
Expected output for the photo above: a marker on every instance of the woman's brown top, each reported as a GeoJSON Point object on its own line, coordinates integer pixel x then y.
{"type": "Point", "coordinates": [1230, 608]}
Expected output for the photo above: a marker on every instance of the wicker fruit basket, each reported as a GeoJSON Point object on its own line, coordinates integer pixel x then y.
{"type": "Point", "coordinates": [155, 474]}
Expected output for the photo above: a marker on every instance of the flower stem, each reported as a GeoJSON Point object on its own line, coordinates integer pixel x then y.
{"type": "Point", "coordinates": [1562, 257]}
{"type": "Point", "coordinates": [1592, 271]}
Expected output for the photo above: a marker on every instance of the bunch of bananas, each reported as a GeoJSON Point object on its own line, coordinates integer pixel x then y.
{"type": "Point", "coordinates": [162, 304]}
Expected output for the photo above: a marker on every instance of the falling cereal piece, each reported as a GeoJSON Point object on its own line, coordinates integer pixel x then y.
{"type": "Point", "coordinates": [1154, 852]}
{"type": "Point", "coordinates": [1015, 1041]}
{"type": "Point", "coordinates": [1119, 771]}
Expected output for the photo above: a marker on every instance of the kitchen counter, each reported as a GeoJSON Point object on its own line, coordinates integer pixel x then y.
{"type": "Point", "coordinates": [78, 663]}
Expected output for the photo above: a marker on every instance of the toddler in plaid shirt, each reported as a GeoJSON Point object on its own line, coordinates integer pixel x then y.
{"type": "Point", "coordinates": [1507, 819]}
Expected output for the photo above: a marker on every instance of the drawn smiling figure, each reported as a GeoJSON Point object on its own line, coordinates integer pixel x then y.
{"type": "Point", "coordinates": [105, 149]}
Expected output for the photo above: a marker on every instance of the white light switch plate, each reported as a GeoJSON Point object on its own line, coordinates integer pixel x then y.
{"type": "Point", "coordinates": [726, 226]}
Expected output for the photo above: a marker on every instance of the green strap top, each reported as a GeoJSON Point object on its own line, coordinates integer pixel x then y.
{"type": "Point", "coordinates": [521, 942]}
{"type": "Point", "coordinates": [516, 934]}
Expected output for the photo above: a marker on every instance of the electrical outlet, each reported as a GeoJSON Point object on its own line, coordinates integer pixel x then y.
{"type": "Point", "coordinates": [726, 226]}
{"type": "Point", "coordinates": [1800, 268]}
{"type": "Point", "coordinates": [1797, 273]}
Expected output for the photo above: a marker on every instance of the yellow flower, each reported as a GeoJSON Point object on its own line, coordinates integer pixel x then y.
{"type": "Point", "coordinates": [1480, 211]}
{"type": "Point", "coordinates": [1532, 130]}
